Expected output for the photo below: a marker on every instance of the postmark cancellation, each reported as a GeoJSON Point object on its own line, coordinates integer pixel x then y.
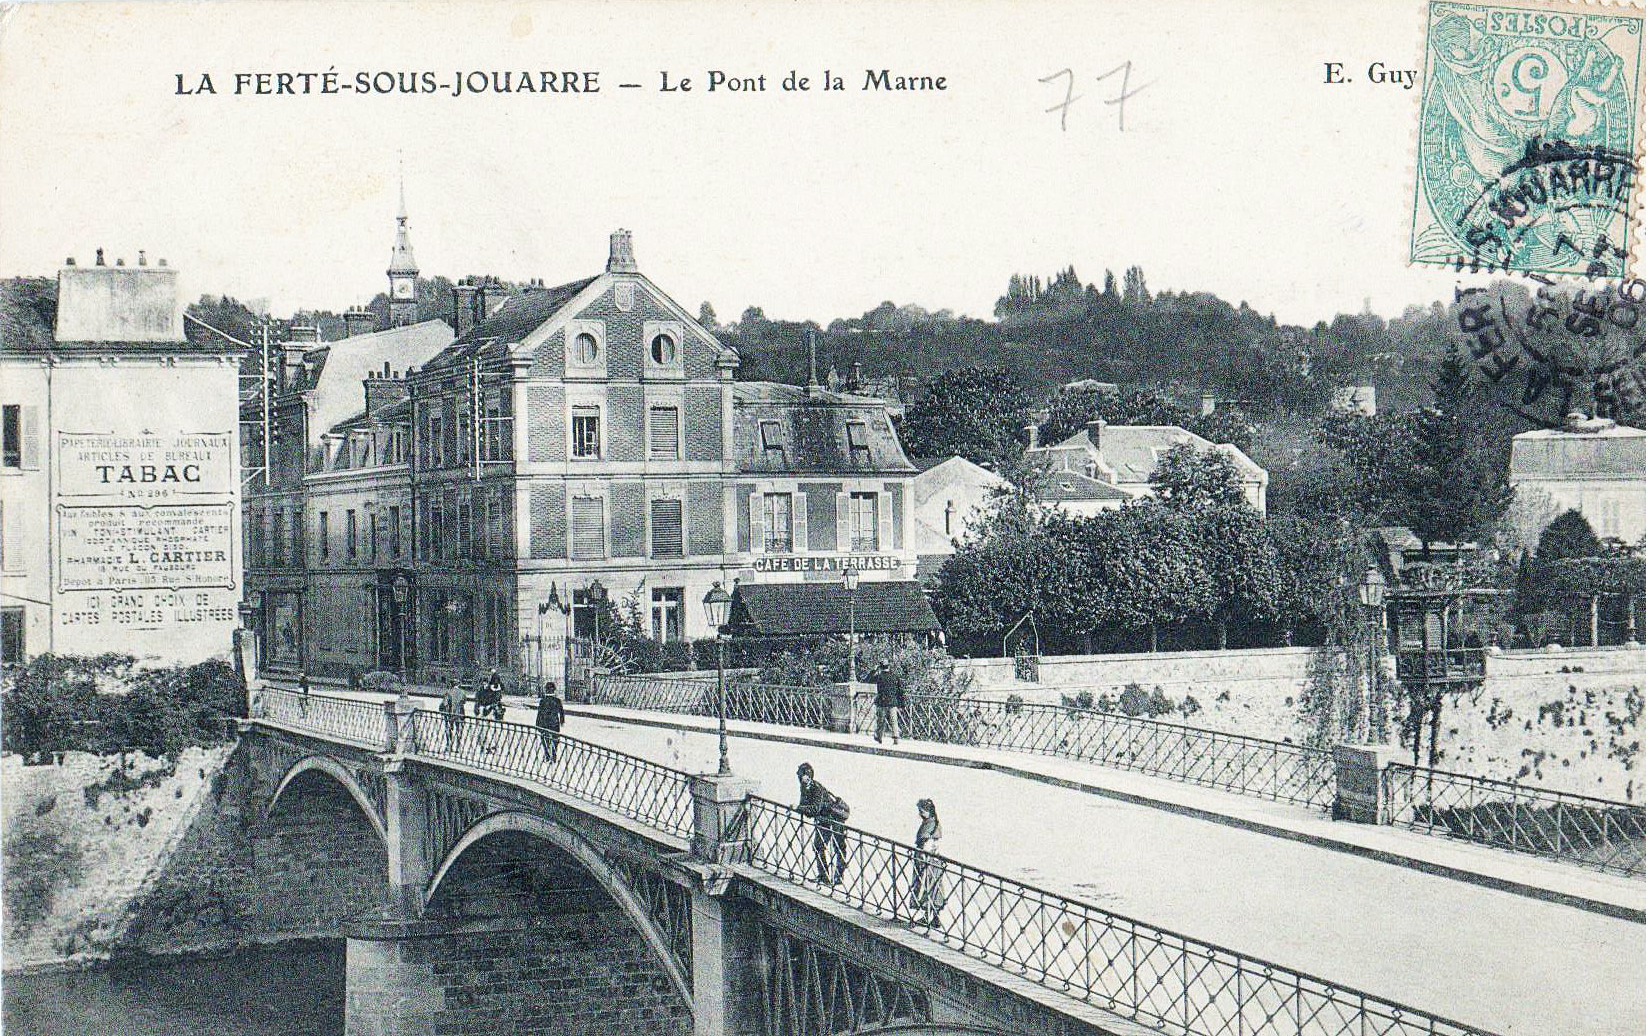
{"type": "Point", "coordinates": [1528, 141]}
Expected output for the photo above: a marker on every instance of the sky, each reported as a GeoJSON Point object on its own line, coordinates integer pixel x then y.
{"type": "Point", "coordinates": [1238, 170]}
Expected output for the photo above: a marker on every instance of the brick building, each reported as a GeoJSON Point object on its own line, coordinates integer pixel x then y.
{"type": "Point", "coordinates": [588, 432]}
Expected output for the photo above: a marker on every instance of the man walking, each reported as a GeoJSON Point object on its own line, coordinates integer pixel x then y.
{"type": "Point", "coordinates": [828, 811]}
{"type": "Point", "coordinates": [550, 716]}
{"type": "Point", "coordinates": [888, 702]}
{"type": "Point", "coordinates": [451, 707]}
{"type": "Point", "coordinates": [488, 702]}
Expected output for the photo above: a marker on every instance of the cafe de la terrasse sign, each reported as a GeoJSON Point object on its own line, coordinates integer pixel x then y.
{"type": "Point", "coordinates": [827, 562]}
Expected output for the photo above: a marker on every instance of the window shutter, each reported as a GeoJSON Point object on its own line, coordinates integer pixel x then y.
{"type": "Point", "coordinates": [664, 433]}
{"type": "Point", "coordinates": [667, 541]}
{"type": "Point", "coordinates": [882, 506]}
{"type": "Point", "coordinates": [757, 525]}
{"type": "Point", "coordinates": [588, 527]}
{"type": "Point", "coordinates": [843, 522]}
{"type": "Point", "coordinates": [801, 539]}
{"type": "Point", "coordinates": [31, 437]}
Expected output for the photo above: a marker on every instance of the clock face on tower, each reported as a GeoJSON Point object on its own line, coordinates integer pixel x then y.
{"type": "Point", "coordinates": [402, 289]}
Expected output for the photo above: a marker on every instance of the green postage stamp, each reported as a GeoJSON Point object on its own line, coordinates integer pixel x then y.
{"type": "Point", "coordinates": [1527, 139]}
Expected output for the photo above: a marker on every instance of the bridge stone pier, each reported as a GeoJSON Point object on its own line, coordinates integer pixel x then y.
{"type": "Point", "coordinates": [497, 891]}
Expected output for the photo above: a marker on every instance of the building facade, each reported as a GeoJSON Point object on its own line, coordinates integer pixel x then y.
{"type": "Point", "coordinates": [1117, 461]}
{"type": "Point", "coordinates": [1594, 466]}
{"type": "Point", "coordinates": [120, 487]}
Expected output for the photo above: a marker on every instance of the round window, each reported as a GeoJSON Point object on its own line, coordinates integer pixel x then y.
{"type": "Point", "coordinates": [585, 349]}
{"type": "Point", "coordinates": [663, 349]}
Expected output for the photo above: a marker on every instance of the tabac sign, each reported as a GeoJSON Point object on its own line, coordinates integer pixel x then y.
{"type": "Point", "coordinates": [827, 562]}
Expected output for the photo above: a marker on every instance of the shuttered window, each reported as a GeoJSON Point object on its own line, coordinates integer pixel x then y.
{"type": "Point", "coordinates": [667, 538]}
{"type": "Point", "coordinates": [588, 527]}
{"type": "Point", "coordinates": [865, 521]}
{"type": "Point", "coordinates": [663, 432]}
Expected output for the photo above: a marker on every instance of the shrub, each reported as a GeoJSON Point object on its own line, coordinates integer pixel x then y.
{"type": "Point", "coordinates": [1190, 706]}
{"type": "Point", "coordinates": [382, 681]}
{"type": "Point", "coordinates": [1014, 704]}
{"type": "Point", "coordinates": [1133, 700]}
{"type": "Point", "coordinates": [1159, 704]}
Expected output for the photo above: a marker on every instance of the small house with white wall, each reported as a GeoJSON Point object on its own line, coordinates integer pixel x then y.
{"type": "Point", "coordinates": [1122, 458]}
{"type": "Point", "coordinates": [1595, 466]}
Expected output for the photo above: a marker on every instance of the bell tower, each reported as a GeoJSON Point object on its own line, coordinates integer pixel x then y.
{"type": "Point", "coordinates": [402, 271]}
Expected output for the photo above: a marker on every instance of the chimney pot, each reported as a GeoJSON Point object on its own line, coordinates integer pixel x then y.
{"type": "Point", "coordinates": [162, 262]}
{"type": "Point", "coordinates": [142, 258]}
{"type": "Point", "coordinates": [69, 261]}
{"type": "Point", "coordinates": [100, 261]}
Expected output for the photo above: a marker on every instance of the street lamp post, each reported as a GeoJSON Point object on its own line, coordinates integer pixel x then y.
{"type": "Point", "coordinates": [1372, 587]}
{"type": "Point", "coordinates": [597, 597]}
{"type": "Point", "coordinates": [849, 575]}
{"type": "Point", "coordinates": [718, 604]}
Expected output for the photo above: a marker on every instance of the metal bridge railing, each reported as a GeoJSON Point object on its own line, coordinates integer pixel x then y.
{"type": "Point", "coordinates": [1233, 762]}
{"type": "Point", "coordinates": [1595, 832]}
{"type": "Point", "coordinates": [1158, 977]}
{"type": "Point", "coordinates": [361, 722]}
{"type": "Point", "coordinates": [786, 704]}
{"type": "Point", "coordinates": [637, 788]}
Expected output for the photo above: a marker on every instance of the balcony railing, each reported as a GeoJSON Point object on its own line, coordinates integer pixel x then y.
{"type": "Point", "coordinates": [1159, 978]}
{"type": "Point", "coordinates": [1600, 833]}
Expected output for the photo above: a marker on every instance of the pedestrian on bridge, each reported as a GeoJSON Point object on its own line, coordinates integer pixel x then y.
{"type": "Point", "coordinates": [303, 686]}
{"type": "Point", "coordinates": [926, 892]}
{"type": "Point", "coordinates": [451, 707]}
{"type": "Point", "coordinates": [828, 812]}
{"type": "Point", "coordinates": [551, 715]}
{"type": "Point", "coordinates": [888, 702]}
{"type": "Point", "coordinates": [488, 704]}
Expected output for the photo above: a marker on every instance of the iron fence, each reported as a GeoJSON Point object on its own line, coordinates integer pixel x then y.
{"type": "Point", "coordinates": [1157, 977]}
{"type": "Point", "coordinates": [636, 788]}
{"type": "Point", "coordinates": [785, 704]}
{"type": "Point", "coordinates": [1595, 832]}
{"type": "Point", "coordinates": [1233, 762]}
{"type": "Point", "coordinates": [349, 719]}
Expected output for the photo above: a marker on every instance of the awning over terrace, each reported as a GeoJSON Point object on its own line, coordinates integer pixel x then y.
{"type": "Point", "coordinates": [819, 609]}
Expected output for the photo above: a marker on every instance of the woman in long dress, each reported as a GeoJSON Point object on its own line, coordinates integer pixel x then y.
{"type": "Point", "coordinates": [926, 892]}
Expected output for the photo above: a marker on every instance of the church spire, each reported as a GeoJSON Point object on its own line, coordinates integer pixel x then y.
{"type": "Point", "coordinates": [402, 269]}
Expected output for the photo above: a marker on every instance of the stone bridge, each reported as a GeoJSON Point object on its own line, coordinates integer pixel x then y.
{"type": "Point", "coordinates": [488, 890]}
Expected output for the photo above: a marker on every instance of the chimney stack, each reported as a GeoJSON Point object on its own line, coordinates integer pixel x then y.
{"type": "Point", "coordinates": [383, 389]}
{"type": "Point", "coordinates": [1031, 432]}
{"type": "Point", "coordinates": [621, 259]}
{"type": "Point", "coordinates": [1094, 432]}
{"type": "Point", "coordinates": [1208, 404]}
{"type": "Point", "coordinates": [856, 382]}
{"type": "Point", "coordinates": [463, 298]}
{"type": "Point", "coordinates": [359, 321]}
{"type": "Point", "coordinates": [492, 297]}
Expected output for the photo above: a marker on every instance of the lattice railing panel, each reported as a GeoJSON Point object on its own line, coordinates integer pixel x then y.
{"type": "Point", "coordinates": [1595, 832]}
{"type": "Point", "coordinates": [1162, 979]}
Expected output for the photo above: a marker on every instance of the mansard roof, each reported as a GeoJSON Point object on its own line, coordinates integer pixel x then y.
{"type": "Point", "coordinates": [779, 428]}
{"type": "Point", "coordinates": [519, 315]}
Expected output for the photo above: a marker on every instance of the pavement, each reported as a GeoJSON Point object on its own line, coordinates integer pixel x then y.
{"type": "Point", "coordinates": [1509, 943]}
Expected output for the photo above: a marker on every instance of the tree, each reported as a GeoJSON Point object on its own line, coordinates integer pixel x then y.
{"type": "Point", "coordinates": [1457, 485]}
{"type": "Point", "coordinates": [1240, 561]}
{"type": "Point", "coordinates": [1136, 292]}
{"type": "Point", "coordinates": [1071, 409]}
{"type": "Point", "coordinates": [1568, 536]}
{"type": "Point", "coordinates": [1010, 564]}
{"type": "Point", "coordinates": [972, 412]}
{"type": "Point", "coordinates": [1188, 478]}
{"type": "Point", "coordinates": [706, 316]}
{"type": "Point", "coordinates": [1379, 452]}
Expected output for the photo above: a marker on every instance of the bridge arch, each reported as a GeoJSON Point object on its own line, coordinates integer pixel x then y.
{"type": "Point", "coordinates": [342, 775]}
{"type": "Point", "coordinates": [591, 860]}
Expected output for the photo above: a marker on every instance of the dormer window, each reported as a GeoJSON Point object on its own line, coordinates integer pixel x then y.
{"type": "Point", "coordinates": [664, 349]}
{"type": "Point", "coordinates": [771, 440]}
{"type": "Point", "coordinates": [857, 442]}
{"type": "Point", "coordinates": [586, 349]}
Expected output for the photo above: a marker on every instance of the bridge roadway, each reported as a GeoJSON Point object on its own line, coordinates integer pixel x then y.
{"type": "Point", "coordinates": [1498, 960]}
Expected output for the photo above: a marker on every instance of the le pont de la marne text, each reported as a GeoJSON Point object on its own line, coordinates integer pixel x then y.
{"type": "Point", "coordinates": [474, 82]}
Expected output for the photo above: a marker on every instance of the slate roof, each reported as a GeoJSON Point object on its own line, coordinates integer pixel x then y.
{"type": "Point", "coordinates": [1072, 487]}
{"type": "Point", "coordinates": [339, 367]}
{"type": "Point", "coordinates": [814, 609]}
{"type": "Point", "coordinates": [1608, 452]}
{"type": "Point", "coordinates": [397, 412]}
{"type": "Point", "coordinates": [811, 431]}
{"type": "Point", "coordinates": [518, 316]}
{"type": "Point", "coordinates": [1131, 451]}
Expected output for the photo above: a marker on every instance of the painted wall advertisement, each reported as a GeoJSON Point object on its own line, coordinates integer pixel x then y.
{"type": "Point", "coordinates": [145, 530]}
